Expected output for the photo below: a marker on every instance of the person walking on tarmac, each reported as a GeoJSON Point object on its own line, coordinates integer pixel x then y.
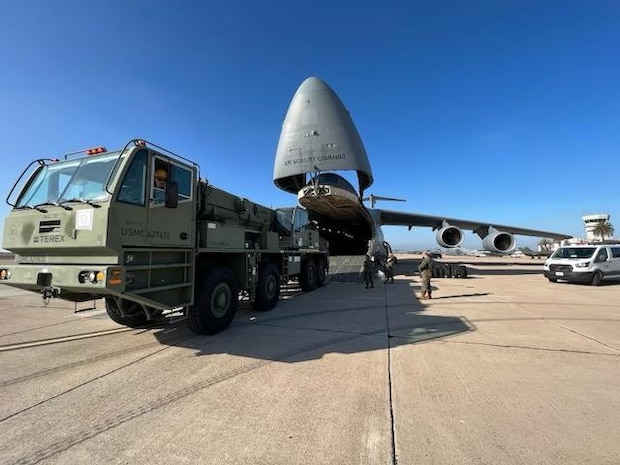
{"type": "Point", "coordinates": [426, 271]}
{"type": "Point", "coordinates": [367, 270]}
{"type": "Point", "coordinates": [389, 269]}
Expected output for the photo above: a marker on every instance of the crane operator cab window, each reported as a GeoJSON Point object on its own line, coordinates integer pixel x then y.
{"type": "Point", "coordinates": [160, 181]}
{"type": "Point", "coordinates": [171, 184]}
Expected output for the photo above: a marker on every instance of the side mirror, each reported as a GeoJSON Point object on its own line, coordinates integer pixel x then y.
{"type": "Point", "coordinates": [172, 195]}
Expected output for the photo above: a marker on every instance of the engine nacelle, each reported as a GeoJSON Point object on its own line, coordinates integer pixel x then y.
{"type": "Point", "coordinates": [498, 241]}
{"type": "Point", "coordinates": [449, 236]}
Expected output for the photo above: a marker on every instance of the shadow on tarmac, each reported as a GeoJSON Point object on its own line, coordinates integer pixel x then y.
{"type": "Point", "coordinates": [339, 318]}
{"type": "Point", "coordinates": [475, 294]}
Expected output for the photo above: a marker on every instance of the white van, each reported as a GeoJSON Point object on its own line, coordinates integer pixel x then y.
{"type": "Point", "coordinates": [590, 263]}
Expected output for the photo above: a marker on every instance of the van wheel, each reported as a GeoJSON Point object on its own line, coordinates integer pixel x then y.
{"type": "Point", "coordinates": [267, 288]}
{"type": "Point", "coordinates": [597, 278]}
{"type": "Point", "coordinates": [552, 280]}
{"type": "Point", "coordinates": [215, 304]}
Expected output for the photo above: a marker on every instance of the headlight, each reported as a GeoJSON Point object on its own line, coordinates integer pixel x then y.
{"type": "Point", "coordinates": [582, 265]}
{"type": "Point", "coordinates": [91, 276]}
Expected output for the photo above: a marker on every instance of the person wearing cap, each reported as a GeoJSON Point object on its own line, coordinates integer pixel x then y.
{"type": "Point", "coordinates": [426, 271]}
{"type": "Point", "coordinates": [160, 178]}
{"type": "Point", "coordinates": [159, 185]}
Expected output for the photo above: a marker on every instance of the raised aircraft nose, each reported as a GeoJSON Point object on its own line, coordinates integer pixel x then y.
{"type": "Point", "coordinates": [318, 134]}
{"type": "Point", "coordinates": [312, 84]}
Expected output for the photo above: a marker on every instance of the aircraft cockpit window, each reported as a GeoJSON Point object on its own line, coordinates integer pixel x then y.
{"type": "Point", "coordinates": [334, 179]}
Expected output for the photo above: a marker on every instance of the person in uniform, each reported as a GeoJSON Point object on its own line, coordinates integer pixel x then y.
{"type": "Point", "coordinates": [389, 269]}
{"type": "Point", "coordinates": [367, 270]}
{"type": "Point", "coordinates": [426, 271]}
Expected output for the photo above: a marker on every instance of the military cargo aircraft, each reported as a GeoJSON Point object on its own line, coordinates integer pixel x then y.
{"type": "Point", "coordinates": [536, 254]}
{"type": "Point", "coordinates": [318, 141]}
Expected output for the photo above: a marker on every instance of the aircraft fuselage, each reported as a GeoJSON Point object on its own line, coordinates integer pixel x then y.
{"type": "Point", "coordinates": [343, 220]}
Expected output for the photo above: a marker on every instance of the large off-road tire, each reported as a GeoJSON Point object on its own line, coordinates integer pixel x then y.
{"type": "Point", "coordinates": [321, 272]}
{"type": "Point", "coordinates": [215, 304]}
{"type": "Point", "coordinates": [597, 278]}
{"type": "Point", "coordinates": [136, 316]}
{"type": "Point", "coordinates": [308, 277]}
{"type": "Point", "coordinates": [455, 271]}
{"type": "Point", "coordinates": [441, 272]}
{"type": "Point", "coordinates": [462, 271]}
{"type": "Point", "coordinates": [268, 288]}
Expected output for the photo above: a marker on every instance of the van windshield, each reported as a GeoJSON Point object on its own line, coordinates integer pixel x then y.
{"type": "Point", "coordinates": [574, 252]}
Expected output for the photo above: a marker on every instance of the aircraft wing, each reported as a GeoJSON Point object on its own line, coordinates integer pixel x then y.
{"type": "Point", "coordinates": [394, 218]}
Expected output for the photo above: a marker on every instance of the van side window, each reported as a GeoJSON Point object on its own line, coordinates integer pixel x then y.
{"type": "Point", "coordinates": [615, 252]}
{"type": "Point", "coordinates": [601, 256]}
{"type": "Point", "coordinates": [132, 187]}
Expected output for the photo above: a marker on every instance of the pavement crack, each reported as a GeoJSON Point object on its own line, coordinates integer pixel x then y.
{"type": "Point", "coordinates": [543, 349]}
{"type": "Point", "coordinates": [389, 379]}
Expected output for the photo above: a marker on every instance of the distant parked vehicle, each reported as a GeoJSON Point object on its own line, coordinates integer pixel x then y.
{"type": "Point", "coordinates": [588, 263]}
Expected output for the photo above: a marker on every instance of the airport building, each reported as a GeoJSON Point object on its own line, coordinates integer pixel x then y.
{"type": "Point", "coordinates": [590, 222]}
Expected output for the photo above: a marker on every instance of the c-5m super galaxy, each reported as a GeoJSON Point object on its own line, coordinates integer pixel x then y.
{"type": "Point", "coordinates": [318, 139]}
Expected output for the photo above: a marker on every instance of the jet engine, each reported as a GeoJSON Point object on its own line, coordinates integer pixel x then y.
{"type": "Point", "coordinates": [498, 241]}
{"type": "Point", "coordinates": [449, 236]}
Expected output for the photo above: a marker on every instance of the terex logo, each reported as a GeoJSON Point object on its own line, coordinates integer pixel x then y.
{"type": "Point", "coordinates": [46, 227]}
{"type": "Point", "coordinates": [54, 238]}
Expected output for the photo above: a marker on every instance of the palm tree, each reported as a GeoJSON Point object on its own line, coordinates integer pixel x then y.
{"type": "Point", "coordinates": [544, 245]}
{"type": "Point", "coordinates": [604, 228]}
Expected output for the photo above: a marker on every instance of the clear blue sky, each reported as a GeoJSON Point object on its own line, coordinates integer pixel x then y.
{"type": "Point", "coordinates": [500, 111]}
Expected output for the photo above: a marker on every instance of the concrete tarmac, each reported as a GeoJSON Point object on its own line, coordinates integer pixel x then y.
{"type": "Point", "coordinates": [500, 368]}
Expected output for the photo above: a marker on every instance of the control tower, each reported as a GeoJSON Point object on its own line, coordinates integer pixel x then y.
{"type": "Point", "coordinates": [590, 222]}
